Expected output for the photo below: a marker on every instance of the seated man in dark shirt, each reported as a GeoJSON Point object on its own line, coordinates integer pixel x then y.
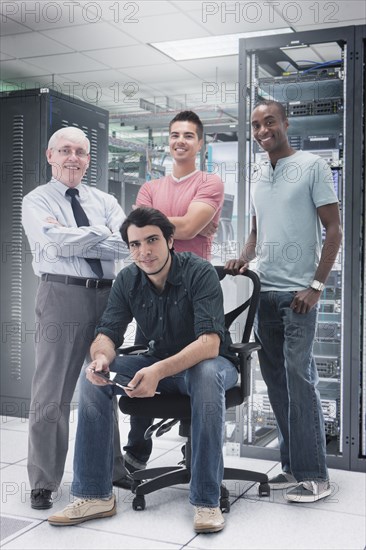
{"type": "Point", "coordinates": [177, 302]}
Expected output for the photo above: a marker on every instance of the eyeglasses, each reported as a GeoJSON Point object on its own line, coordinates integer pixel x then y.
{"type": "Point", "coordinates": [67, 151]}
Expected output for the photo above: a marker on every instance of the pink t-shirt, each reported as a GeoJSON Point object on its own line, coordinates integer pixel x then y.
{"type": "Point", "coordinates": [174, 197]}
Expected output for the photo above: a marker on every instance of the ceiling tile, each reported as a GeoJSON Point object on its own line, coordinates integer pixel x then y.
{"type": "Point", "coordinates": [237, 17]}
{"type": "Point", "coordinates": [4, 56]}
{"type": "Point", "coordinates": [157, 73]}
{"type": "Point", "coordinates": [105, 77]}
{"type": "Point", "coordinates": [109, 85]}
{"type": "Point", "coordinates": [218, 67]}
{"type": "Point", "coordinates": [110, 37]}
{"type": "Point", "coordinates": [180, 87]}
{"type": "Point", "coordinates": [8, 26]}
{"type": "Point", "coordinates": [63, 63]}
{"type": "Point", "coordinates": [30, 44]}
{"type": "Point", "coordinates": [130, 12]}
{"type": "Point", "coordinates": [190, 5]}
{"type": "Point", "coordinates": [52, 15]}
{"type": "Point", "coordinates": [320, 26]}
{"type": "Point", "coordinates": [170, 27]}
{"type": "Point", "coordinates": [129, 56]}
{"type": "Point", "coordinates": [321, 14]}
{"type": "Point", "coordinates": [16, 68]}
{"type": "Point", "coordinates": [87, 37]}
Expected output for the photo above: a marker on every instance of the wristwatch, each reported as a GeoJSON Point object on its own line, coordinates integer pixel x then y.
{"type": "Point", "coordinates": [317, 285]}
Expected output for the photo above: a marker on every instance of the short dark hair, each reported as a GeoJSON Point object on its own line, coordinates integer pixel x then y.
{"type": "Point", "coordinates": [189, 116]}
{"type": "Point", "coordinates": [147, 216]}
{"type": "Point", "coordinates": [281, 108]}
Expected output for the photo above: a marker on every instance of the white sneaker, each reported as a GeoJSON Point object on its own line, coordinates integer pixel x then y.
{"type": "Point", "coordinates": [83, 509]}
{"type": "Point", "coordinates": [208, 520]}
{"type": "Point", "coordinates": [309, 491]}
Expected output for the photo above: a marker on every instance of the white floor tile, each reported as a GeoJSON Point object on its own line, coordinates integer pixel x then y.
{"type": "Point", "coordinates": [167, 522]}
{"type": "Point", "coordinates": [348, 494]}
{"type": "Point", "coordinates": [168, 517]}
{"type": "Point", "coordinates": [265, 525]}
{"type": "Point", "coordinates": [44, 537]}
{"type": "Point", "coordinates": [14, 446]}
{"type": "Point", "coordinates": [13, 527]}
{"type": "Point", "coordinates": [15, 493]}
{"type": "Point", "coordinates": [6, 420]}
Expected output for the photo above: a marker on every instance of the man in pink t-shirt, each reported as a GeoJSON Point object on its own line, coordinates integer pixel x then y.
{"type": "Point", "coordinates": [191, 199]}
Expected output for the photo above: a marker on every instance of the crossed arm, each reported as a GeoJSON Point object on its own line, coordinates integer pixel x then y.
{"type": "Point", "coordinates": [196, 221]}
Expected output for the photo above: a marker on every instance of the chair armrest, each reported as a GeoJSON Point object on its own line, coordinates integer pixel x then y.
{"type": "Point", "coordinates": [245, 356]}
{"type": "Point", "coordinates": [245, 348]}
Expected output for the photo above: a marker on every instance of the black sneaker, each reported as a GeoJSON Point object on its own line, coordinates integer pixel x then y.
{"type": "Point", "coordinates": [41, 499]}
{"type": "Point", "coordinates": [282, 481]}
{"type": "Point", "coordinates": [126, 482]}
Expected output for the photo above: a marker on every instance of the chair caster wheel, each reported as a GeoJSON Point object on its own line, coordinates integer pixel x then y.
{"type": "Point", "coordinates": [139, 503]}
{"type": "Point", "coordinates": [264, 490]}
{"type": "Point", "coordinates": [225, 505]}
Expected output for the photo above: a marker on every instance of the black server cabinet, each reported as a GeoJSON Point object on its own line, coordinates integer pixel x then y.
{"type": "Point", "coordinates": [28, 119]}
{"type": "Point", "coordinates": [325, 109]}
{"type": "Point", "coordinates": [357, 437]}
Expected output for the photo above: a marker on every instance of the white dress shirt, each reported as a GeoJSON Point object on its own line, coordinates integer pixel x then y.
{"type": "Point", "coordinates": [60, 248]}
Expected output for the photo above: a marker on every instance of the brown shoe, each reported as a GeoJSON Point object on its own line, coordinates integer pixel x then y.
{"type": "Point", "coordinates": [208, 520]}
{"type": "Point", "coordinates": [83, 509]}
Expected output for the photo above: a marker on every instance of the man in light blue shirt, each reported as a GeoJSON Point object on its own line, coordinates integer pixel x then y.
{"type": "Point", "coordinates": [75, 259]}
{"type": "Point", "coordinates": [292, 198]}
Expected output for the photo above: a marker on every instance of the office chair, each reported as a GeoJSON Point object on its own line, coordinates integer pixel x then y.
{"type": "Point", "coordinates": [177, 407]}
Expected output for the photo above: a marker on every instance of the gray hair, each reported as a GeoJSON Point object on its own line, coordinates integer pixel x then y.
{"type": "Point", "coordinates": [69, 132]}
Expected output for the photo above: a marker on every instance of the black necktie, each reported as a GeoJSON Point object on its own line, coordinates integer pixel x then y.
{"type": "Point", "coordinates": [82, 220]}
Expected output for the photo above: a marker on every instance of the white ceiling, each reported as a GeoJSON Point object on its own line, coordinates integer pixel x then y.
{"type": "Point", "coordinates": [100, 52]}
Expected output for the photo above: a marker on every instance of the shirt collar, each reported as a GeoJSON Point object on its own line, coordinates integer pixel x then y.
{"type": "Point", "coordinates": [62, 188]}
{"type": "Point", "coordinates": [184, 177]}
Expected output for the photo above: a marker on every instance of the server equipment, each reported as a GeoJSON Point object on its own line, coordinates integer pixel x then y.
{"type": "Point", "coordinates": [322, 106]}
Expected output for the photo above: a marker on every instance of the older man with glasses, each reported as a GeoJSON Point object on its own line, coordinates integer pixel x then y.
{"type": "Point", "coordinates": [73, 233]}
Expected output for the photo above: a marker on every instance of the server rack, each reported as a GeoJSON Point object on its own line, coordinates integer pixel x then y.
{"type": "Point", "coordinates": [28, 119]}
{"type": "Point", "coordinates": [322, 106]}
{"type": "Point", "coordinates": [357, 259]}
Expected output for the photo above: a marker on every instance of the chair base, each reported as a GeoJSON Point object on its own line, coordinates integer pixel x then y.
{"type": "Point", "coordinates": [159, 478]}
{"type": "Point", "coordinates": [153, 479]}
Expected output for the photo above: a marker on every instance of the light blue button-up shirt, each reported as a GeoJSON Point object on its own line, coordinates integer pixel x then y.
{"type": "Point", "coordinates": [61, 247]}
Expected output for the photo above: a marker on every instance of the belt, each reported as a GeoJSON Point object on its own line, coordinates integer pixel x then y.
{"type": "Point", "coordinates": [67, 280]}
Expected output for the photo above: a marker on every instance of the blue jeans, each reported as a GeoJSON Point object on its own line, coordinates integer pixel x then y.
{"type": "Point", "coordinates": [289, 371]}
{"type": "Point", "coordinates": [205, 383]}
{"type": "Point", "coordinates": [138, 449]}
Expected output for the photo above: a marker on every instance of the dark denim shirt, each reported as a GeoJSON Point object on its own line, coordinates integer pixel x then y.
{"type": "Point", "coordinates": [190, 305]}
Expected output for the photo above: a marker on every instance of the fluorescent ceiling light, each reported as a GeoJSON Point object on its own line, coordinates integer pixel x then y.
{"type": "Point", "coordinates": [210, 46]}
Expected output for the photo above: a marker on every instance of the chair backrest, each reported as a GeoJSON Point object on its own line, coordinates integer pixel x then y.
{"type": "Point", "coordinates": [250, 304]}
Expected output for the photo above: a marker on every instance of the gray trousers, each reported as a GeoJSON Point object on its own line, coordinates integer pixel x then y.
{"type": "Point", "coordinates": [66, 316]}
